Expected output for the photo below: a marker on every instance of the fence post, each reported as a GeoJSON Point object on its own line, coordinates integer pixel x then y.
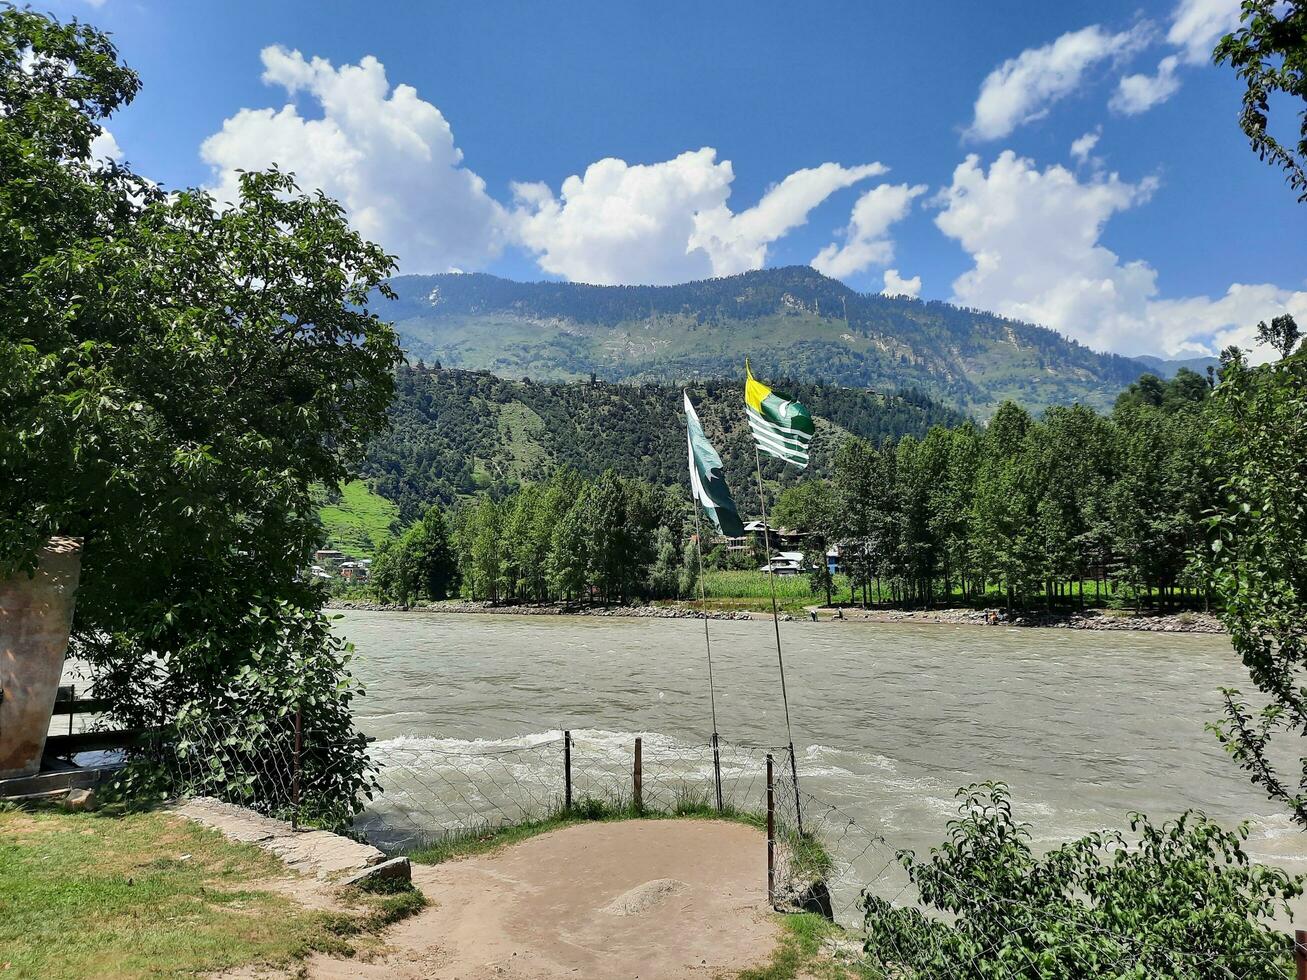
{"type": "Point", "coordinates": [295, 771]}
{"type": "Point", "coordinates": [639, 775]}
{"type": "Point", "coordinates": [717, 770]}
{"type": "Point", "coordinates": [1300, 953]}
{"type": "Point", "coordinates": [567, 770]}
{"type": "Point", "coordinates": [771, 837]}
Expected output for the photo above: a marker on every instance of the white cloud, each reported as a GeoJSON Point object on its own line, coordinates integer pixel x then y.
{"type": "Point", "coordinates": [896, 285]}
{"type": "Point", "coordinates": [1021, 89]}
{"type": "Point", "coordinates": [1139, 93]}
{"type": "Point", "coordinates": [388, 156]}
{"type": "Point", "coordinates": [1196, 25]}
{"type": "Point", "coordinates": [1083, 146]}
{"type": "Point", "coordinates": [866, 239]}
{"type": "Point", "coordinates": [738, 242]}
{"type": "Point", "coordinates": [665, 222]}
{"type": "Point", "coordinates": [1034, 238]}
{"type": "Point", "coordinates": [105, 147]}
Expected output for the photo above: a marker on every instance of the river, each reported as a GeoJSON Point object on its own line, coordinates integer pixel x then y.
{"type": "Point", "coordinates": [888, 720]}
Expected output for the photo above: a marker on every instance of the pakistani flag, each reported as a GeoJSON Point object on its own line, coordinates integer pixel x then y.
{"type": "Point", "coordinates": [706, 479]}
{"type": "Point", "coordinates": [780, 428]}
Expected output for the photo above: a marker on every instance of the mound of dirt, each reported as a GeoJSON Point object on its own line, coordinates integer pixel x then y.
{"type": "Point", "coordinates": [646, 899]}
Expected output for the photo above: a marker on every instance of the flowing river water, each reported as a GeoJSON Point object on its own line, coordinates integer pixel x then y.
{"type": "Point", "coordinates": [888, 720]}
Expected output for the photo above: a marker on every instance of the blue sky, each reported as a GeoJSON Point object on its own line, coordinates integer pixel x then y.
{"type": "Point", "coordinates": [923, 148]}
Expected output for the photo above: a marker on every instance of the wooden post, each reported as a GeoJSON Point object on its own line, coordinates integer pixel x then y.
{"type": "Point", "coordinates": [771, 836]}
{"type": "Point", "coordinates": [567, 770]}
{"type": "Point", "coordinates": [1300, 953]}
{"type": "Point", "coordinates": [717, 770]}
{"type": "Point", "coordinates": [295, 771]}
{"type": "Point", "coordinates": [639, 775]}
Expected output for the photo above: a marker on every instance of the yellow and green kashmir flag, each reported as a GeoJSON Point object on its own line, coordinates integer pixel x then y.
{"type": "Point", "coordinates": [780, 428]}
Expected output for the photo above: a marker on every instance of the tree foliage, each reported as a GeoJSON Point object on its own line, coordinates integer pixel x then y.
{"type": "Point", "coordinates": [1034, 506]}
{"type": "Point", "coordinates": [419, 564]}
{"type": "Point", "coordinates": [1177, 900]}
{"type": "Point", "coordinates": [176, 375]}
{"type": "Point", "coordinates": [1259, 567]}
{"type": "Point", "coordinates": [1269, 54]}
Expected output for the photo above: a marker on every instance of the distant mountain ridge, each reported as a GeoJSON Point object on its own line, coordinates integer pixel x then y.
{"type": "Point", "coordinates": [792, 322]}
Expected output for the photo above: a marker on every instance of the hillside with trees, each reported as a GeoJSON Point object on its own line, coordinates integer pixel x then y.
{"type": "Point", "coordinates": [457, 433]}
{"type": "Point", "coordinates": [792, 322]}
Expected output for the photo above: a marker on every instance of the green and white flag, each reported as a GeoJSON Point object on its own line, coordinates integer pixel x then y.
{"type": "Point", "coordinates": [781, 428]}
{"type": "Point", "coordinates": [706, 479]}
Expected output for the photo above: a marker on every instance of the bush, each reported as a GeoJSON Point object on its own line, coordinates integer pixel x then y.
{"type": "Point", "coordinates": [1179, 900]}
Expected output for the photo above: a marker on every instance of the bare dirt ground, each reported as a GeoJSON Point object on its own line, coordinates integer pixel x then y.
{"type": "Point", "coordinates": [647, 899]}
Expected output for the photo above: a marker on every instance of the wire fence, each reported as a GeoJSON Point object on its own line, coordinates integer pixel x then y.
{"type": "Point", "coordinates": [820, 858]}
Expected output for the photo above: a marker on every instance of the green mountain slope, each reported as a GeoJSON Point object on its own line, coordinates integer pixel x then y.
{"type": "Point", "coordinates": [456, 432]}
{"type": "Point", "coordinates": [791, 321]}
{"type": "Point", "coordinates": [357, 521]}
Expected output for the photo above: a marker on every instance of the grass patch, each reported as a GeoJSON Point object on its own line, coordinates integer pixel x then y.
{"type": "Point", "coordinates": [814, 949]}
{"type": "Point", "coordinates": [482, 840]}
{"type": "Point", "coordinates": [360, 521]}
{"type": "Point", "coordinates": [151, 894]}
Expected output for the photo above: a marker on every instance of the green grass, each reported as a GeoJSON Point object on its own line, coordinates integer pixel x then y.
{"type": "Point", "coordinates": [485, 839]}
{"type": "Point", "coordinates": [360, 521]}
{"type": "Point", "coordinates": [805, 950]}
{"type": "Point", "coordinates": [151, 894]}
{"type": "Point", "coordinates": [748, 590]}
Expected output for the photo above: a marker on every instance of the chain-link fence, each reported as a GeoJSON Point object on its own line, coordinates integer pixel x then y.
{"type": "Point", "coordinates": [819, 856]}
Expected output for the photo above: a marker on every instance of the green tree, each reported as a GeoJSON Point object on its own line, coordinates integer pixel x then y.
{"type": "Point", "coordinates": [811, 507]}
{"type": "Point", "coordinates": [1269, 53]}
{"type": "Point", "coordinates": [176, 377]}
{"type": "Point", "coordinates": [664, 578]}
{"type": "Point", "coordinates": [1281, 333]}
{"type": "Point", "coordinates": [420, 564]}
{"type": "Point", "coordinates": [1259, 567]}
{"type": "Point", "coordinates": [1180, 899]}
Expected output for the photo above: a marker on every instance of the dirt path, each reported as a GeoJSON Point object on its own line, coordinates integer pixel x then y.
{"type": "Point", "coordinates": [640, 899]}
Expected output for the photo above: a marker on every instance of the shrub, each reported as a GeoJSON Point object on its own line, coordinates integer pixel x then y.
{"type": "Point", "coordinates": [1177, 900]}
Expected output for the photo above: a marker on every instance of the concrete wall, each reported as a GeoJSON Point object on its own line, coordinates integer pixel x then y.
{"type": "Point", "coordinates": [36, 614]}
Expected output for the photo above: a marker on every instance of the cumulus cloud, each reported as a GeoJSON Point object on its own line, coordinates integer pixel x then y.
{"type": "Point", "coordinates": [1082, 147]}
{"type": "Point", "coordinates": [1139, 93]}
{"type": "Point", "coordinates": [1021, 89]}
{"type": "Point", "coordinates": [105, 147]}
{"type": "Point", "coordinates": [866, 239]}
{"type": "Point", "coordinates": [1034, 239]}
{"type": "Point", "coordinates": [1196, 25]}
{"type": "Point", "coordinates": [665, 222]}
{"type": "Point", "coordinates": [388, 156]}
{"type": "Point", "coordinates": [896, 285]}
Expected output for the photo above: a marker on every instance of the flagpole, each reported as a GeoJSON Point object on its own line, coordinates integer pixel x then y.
{"type": "Point", "coordinates": [776, 624]}
{"type": "Point", "coordinates": [707, 642]}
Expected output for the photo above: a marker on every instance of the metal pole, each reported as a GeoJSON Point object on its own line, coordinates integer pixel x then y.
{"type": "Point", "coordinates": [776, 624]}
{"type": "Point", "coordinates": [639, 775]}
{"type": "Point", "coordinates": [295, 771]}
{"type": "Point", "coordinates": [712, 695]}
{"type": "Point", "coordinates": [72, 700]}
{"type": "Point", "coordinates": [771, 836]}
{"type": "Point", "coordinates": [567, 770]}
{"type": "Point", "coordinates": [717, 771]}
{"type": "Point", "coordinates": [1300, 953]}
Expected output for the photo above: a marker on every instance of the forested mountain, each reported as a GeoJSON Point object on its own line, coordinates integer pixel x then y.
{"type": "Point", "coordinates": [791, 322]}
{"type": "Point", "coordinates": [457, 432]}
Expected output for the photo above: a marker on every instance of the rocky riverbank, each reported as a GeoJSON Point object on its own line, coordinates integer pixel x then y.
{"type": "Point", "coordinates": [550, 609]}
{"type": "Point", "coordinates": [1090, 619]}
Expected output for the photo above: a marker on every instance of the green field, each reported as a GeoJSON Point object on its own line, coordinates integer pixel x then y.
{"type": "Point", "coordinates": [152, 895]}
{"type": "Point", "coordinates": [750, 591]}
{"type": "Point", "coordinates": [359, 521]}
